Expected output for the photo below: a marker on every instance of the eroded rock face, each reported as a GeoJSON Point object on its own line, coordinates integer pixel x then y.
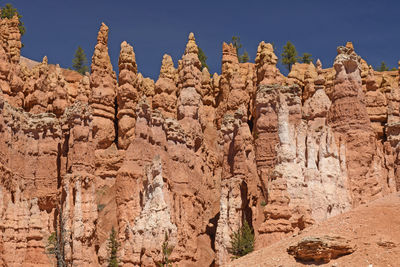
{"type": "Point", "coordinates": [239, 182]}
{"type": "Point", "coordinates": [103, 83]}
{"type": "Point", "coordinates": [321, 249]}
{"type": "Point", "coordinates": [191, 155]}
{"type": "Point", "coordinates": [166, 88]}
{"type": "Point", "coordinates": [127, 95]}
{"type": "Point", "coordinates": [349, 119]}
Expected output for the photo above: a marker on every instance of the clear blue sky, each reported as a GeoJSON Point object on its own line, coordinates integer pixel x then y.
{"type": "Point", "coordinates": [55, 28]}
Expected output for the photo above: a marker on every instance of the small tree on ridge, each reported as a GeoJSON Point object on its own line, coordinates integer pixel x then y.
{"type": "Point", "coordinates": [238, 45]}
{"type": "Point", "coordinates": [203, 58]}
{"type": "Point", "coordinates": [289, 55]}
{"type": "Point", "coordinates": [306, 58]}
{"type": "Point", "coordinates": [8, 12]}
{"type": "Point", "coordinates": [79, 63]}
{"type": "Point", "coordinates": [383, 67]}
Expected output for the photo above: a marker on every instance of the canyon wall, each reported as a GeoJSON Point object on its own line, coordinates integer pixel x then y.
{"type": "Point", "coordinates": [191, 155]}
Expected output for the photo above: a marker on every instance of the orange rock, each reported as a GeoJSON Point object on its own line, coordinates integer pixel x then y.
{"type": "Point", "coordinates": [191, 155]}
{"type": "Point", "coordinates": [103, 84]}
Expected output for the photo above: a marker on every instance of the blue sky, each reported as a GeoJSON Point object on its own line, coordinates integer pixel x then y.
{"type": "Point", "coordinates": [55, 28]}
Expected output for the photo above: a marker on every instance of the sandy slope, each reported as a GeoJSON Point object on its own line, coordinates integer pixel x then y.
{"type": "Point", "coordinates": [374, 228]}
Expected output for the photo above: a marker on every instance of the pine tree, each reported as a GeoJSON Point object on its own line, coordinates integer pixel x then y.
{"type": "Point", "coordinates": [79, 63]}
{"type": "Point", "coordinates": [8, 12]}
{"type": "Point", "coordinates": [113, 246]}
{"type": "Point", "coordinates": [242, 58]}
{"type": "Point", "coordinates": [306, 58]}
{"type": "Point", "coordinates": [57, 240]}
{"type": "Point", "coordinates": [242, 241]}
{"type": "Point", "coordinates": [203, 59]}
{"type": "Point", "coordinates": [236, 43]}
{"type": "Point", "coordinates": [166, 251]}
{"type": "Point", "coordinates": [289, 55]}
{"type": "Point", "coordinates": [383, 67]}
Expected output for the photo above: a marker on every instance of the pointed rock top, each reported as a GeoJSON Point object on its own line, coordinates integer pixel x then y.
{"type": "Point", "coordinates": [191, 36]}
{"type": "Point", "coordinates": [319, 64]}
{"type": "Point", "coordinates": [127, 59]}
{"type": "Point", "coordinates": [229, 53]}
{"type": "Point", "coordinates": [167, 68]}
{"type": "Point", "coordinates": [265, 54]}
{"type": "Point", "coordinates": [102, 36]}
{"type": "Point", "coordinates": [205, 72]}
{"type": "Point", "coordinates": [350, 45]}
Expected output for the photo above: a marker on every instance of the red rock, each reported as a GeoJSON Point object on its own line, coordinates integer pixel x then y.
{"type": "Point", "coordinates": [190, 155]}
{"type": "Point", "coordinates": [103, 84]}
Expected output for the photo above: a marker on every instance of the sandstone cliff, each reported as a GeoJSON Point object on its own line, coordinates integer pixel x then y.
{"type": "Point", "coordinates": [191, 155]}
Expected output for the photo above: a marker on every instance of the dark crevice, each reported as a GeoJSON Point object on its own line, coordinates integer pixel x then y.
{"type": "Point", "coordinates": [65, 150]}
{"type": "Point", "coordinates": [231, 155]}
{"type": "Point", "coordinates": [13, 197]}
{"type": "Point", "coordinates": [74, 195]}
{"type": "Point", "coordinates": [384, 136]}
{"type": "Point", "coordinates": [211, 229]}
{"type": "Point", "coordinates": [251, 124]}
{"type": "Point", "coordinates": [247, 213]}
{"type": "Point", "coordinates": [116, 121]}
{"type": "Point", "coordinates": [59, 166]}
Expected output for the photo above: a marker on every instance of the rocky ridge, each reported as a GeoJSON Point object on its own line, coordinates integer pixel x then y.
{"type": "Point", "coordinates": [191, 154]}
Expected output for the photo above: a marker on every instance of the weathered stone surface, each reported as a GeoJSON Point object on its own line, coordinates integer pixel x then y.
{"type": "Point", "coordinates": [103, 84]}
{"type": "Point", "coordinates": [239, 182]}
{"type": "Point", "coordinates": [190, 154]}
{"type": "Point", "coordinates": [267, 72]}
{"type": "Point", "coordinates": [127, 95]}
{"type": "Point", "coordinates": [166, 89]}
{"type": "Point", "coordinates": [321, 249]}
{"type": "Point", "coordinates": [351, 124]}
{"type": "Point", "coordinates": [370, 230]}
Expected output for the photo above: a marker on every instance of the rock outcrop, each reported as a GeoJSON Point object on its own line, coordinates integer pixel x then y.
{"type": "Point", "coordinates": [321, 249]}
{"type": "Point", "coordinates": [103, 84]}
{"type": "Point", "coordinates": [193, 155]}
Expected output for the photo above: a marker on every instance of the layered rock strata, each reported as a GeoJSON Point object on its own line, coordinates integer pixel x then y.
{"type": "Point", "coordinates": [193, 155]}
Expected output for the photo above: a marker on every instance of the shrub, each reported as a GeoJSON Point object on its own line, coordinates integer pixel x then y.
{"type": "Point", "coordinates": [242, 241]}
{"type": "Point", "coordinates": [113, 245]}
{"type": "Point", "coordinates": [166, 251]}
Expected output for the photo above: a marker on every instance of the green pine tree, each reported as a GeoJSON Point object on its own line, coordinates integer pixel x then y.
{"type": "Point", "coordinates": [8, 11]}
{"type": "Point", "coordinates": [242, 241]}
{"type": "Point", "coordinates": [79, 63]}
{"type": "Point", "coordinates": [383, 67]}
{"type": "Point", "coordinates": [289, 55]}
{"type": "Point", "coordinates": [306, 58]}
{"type": "Point", "coordinates": [236, 43]}
{"type": "Point", "coordinates": [242, 58]}
{"type": "Point", "coordinates": [203, 59]}
{"type": "Point", "coordinates": [113, 246]}
{"type": "Point", "coordinates": [166, 251]}
{"type": "Point", "coordinates": [57, 240]}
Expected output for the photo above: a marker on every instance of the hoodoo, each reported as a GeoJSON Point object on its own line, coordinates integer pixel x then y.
{"type": "Point", "coordinates": [189, 158]}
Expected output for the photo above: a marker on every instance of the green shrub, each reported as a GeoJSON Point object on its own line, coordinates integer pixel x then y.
{"type": "Point", "coordinates": [100, 207]}
{"type": "Point", "coordinates": [113, 245]}
{"type": "Point", "coordinates": [166, 251]}
{"type": "Point", "coordinates": [242, 241]}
